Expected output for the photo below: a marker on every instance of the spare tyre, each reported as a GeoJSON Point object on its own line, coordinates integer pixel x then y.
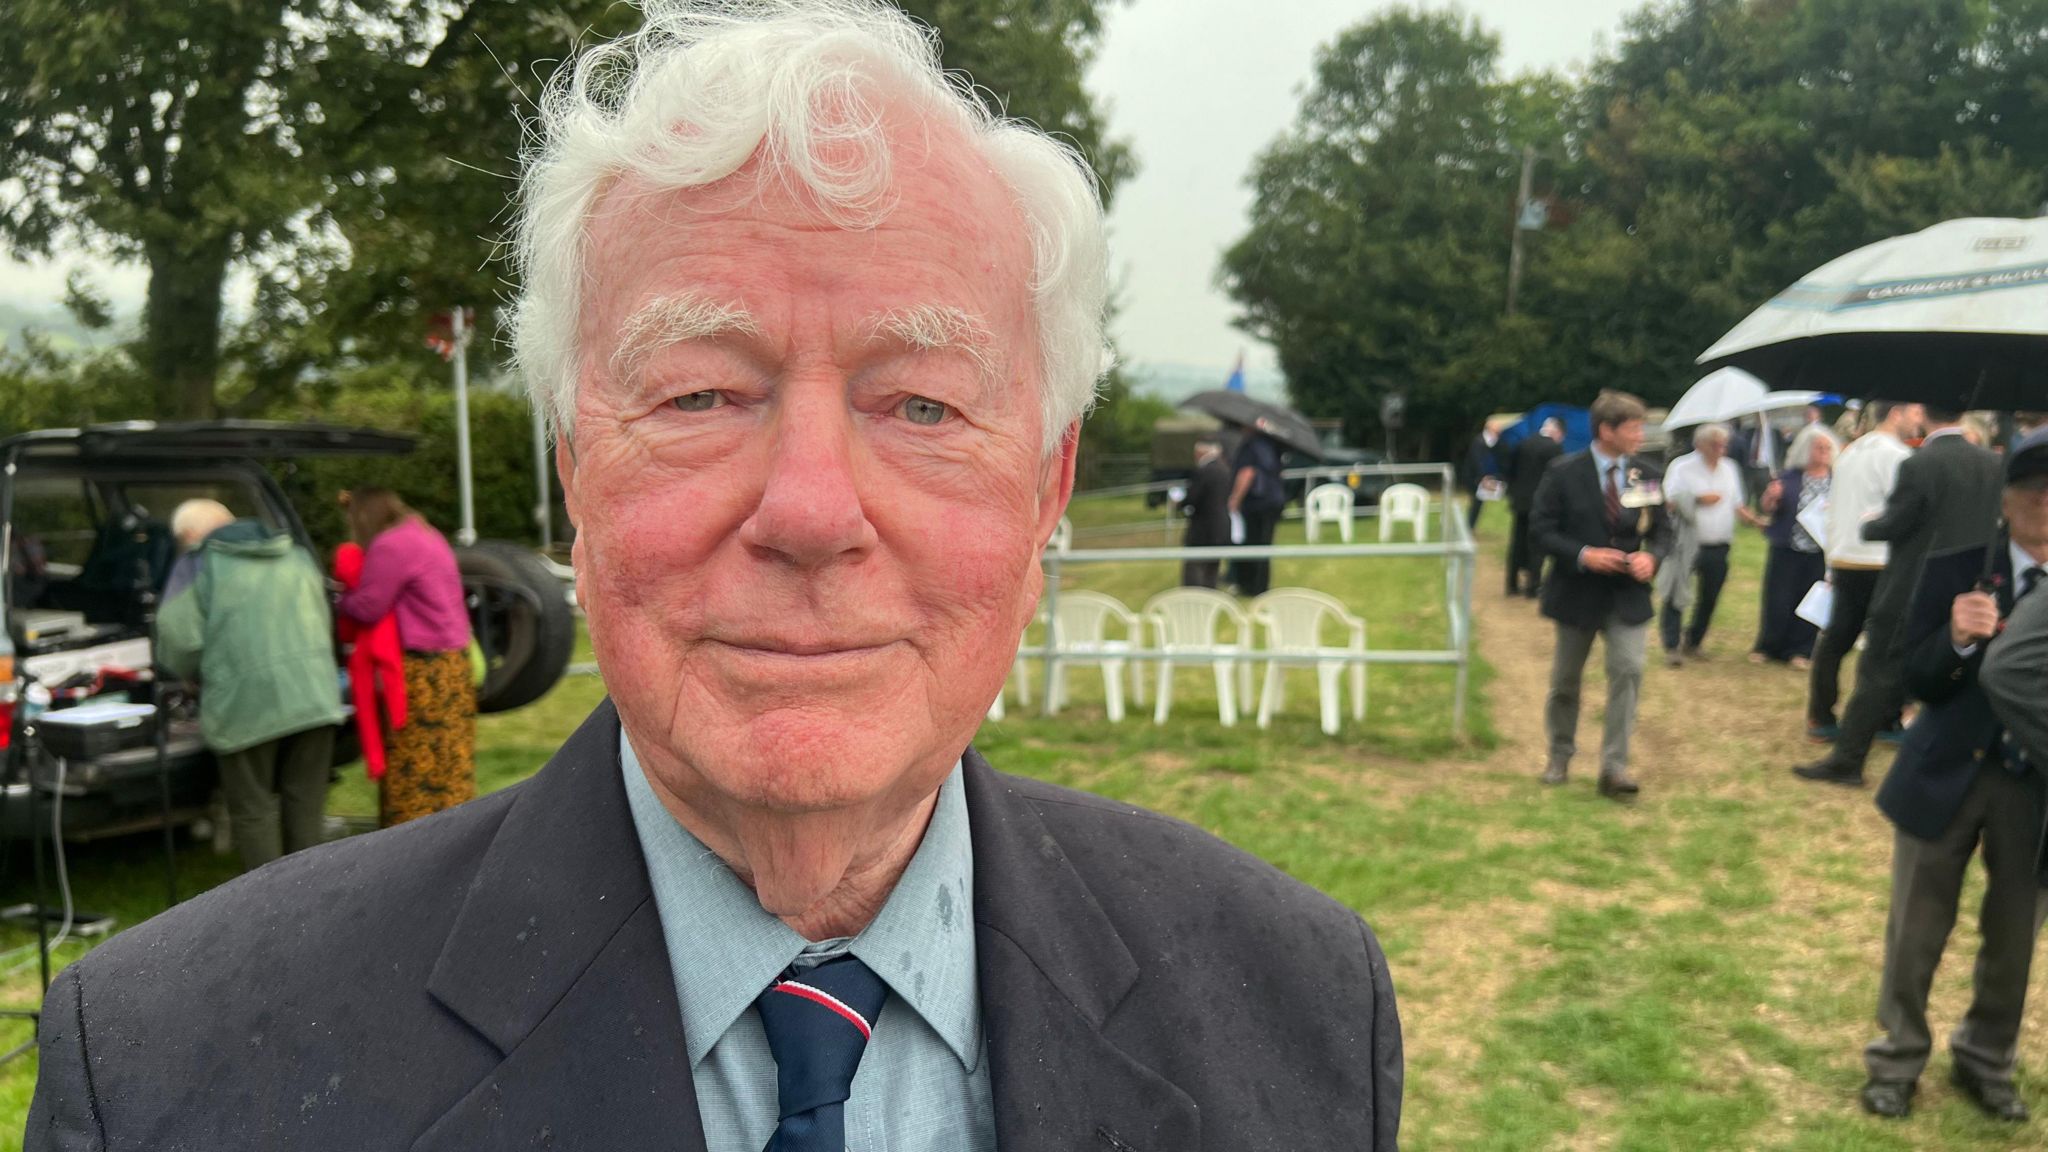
{"type": "Point", "coordinates": [520, 615]}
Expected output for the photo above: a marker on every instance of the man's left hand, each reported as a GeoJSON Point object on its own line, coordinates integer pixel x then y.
{"type": "Point", "coordinates": [1642, 566]}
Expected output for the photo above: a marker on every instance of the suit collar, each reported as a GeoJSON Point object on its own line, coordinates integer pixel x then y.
{"type": "Point", "coordinates": [557, 960]}
{"type": "Point", "coordinates": [1053, 972]}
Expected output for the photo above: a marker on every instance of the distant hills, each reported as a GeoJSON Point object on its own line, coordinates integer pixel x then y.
{"type": "Point", "coordinates": [1175, 382]}
{"type": "Point", "coordinates": [57, 324]}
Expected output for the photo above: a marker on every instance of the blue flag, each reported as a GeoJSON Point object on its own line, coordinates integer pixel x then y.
{"type": "Point", "coordinates": [1236, 382]}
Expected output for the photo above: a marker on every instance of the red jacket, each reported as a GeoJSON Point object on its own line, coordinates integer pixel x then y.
{"type": "Point", "coordinates": [375, 666]}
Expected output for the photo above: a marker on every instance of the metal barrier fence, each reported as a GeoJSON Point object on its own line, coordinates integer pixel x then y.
{"type": "Point", "coordinates": [1455, 546]}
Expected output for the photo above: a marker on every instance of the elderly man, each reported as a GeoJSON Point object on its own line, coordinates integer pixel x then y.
{"type": "Point", "coordinates": [1962, 782]}
{"type": "Point", "coordinates": [1703, 492]}
{"type": "Point", "coordinates": [818, 333]}
{"type": "Point", "coordinates": [245, 617]}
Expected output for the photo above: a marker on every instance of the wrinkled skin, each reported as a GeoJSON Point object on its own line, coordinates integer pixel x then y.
{"type": "Point", "coordinates": [803, 591]}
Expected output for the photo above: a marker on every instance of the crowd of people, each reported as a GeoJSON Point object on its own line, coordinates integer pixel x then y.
{"type": "Point", "coordinates": [1922, 539]}
{"type": "Point", "coordinates": [249, 619]}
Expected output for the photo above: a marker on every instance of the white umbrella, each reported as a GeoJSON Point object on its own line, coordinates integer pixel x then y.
{"type": "Point", "coordinates": [1720, 395]}
{"type": "Point", "coordinates": [1956, 315]}
{"type": "Point", "coordinates": [1776, 402]}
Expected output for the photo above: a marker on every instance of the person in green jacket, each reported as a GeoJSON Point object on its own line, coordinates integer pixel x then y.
{"type": "Point", "coordinates": [245, 616]}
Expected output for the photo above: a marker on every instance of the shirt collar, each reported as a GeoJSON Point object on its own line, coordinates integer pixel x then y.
{"type": "Point", "coordinates": [1938, 433]}
{"type": "Point", "coordinates": [2021, 561]}
{"type": "Point", "coordinates": [921, 943]}
{"type": "Point", "coordinates": [1605, 462]}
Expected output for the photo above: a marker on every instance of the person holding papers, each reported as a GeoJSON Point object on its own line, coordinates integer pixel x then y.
{"type": "Point", "coordinates": [1796, 502]}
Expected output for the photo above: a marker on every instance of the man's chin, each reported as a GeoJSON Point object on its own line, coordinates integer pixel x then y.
{"type": "Point", "coordinates": [815, 759]}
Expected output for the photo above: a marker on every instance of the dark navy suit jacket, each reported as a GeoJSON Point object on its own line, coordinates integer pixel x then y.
{"type": "Point", "coordinates": [1956, 735]}
{"type": "Point", "coordinates": [495, 977]}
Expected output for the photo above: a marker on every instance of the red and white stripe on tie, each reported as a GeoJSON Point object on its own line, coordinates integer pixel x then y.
{"type": "Point", "coordinates": [822, 997]}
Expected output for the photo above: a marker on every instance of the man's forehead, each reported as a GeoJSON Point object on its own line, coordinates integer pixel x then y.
{"type": "Point", "coordinates": [949, 235]}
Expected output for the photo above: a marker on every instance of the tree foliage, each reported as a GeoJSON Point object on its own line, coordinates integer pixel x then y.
{"type": "Point", "coordinates": [1720, 151]}
{"type": "Point", "coordinates": [356, 155]}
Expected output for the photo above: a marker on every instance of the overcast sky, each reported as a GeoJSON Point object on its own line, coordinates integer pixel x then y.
{"type": "Point", "coordinates": [1198, 87]}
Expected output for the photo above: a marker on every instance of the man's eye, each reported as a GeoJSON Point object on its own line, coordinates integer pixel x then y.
{"type": "Point", "coordinates": [919, 410]}
{"type": "Point", "coordinates": [700, 401]}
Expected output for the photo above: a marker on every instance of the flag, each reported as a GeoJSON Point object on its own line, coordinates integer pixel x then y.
{"type": "Point", "coordinates": [1236, 381]}
{"type": "Point", "coordinates": [441, 332]}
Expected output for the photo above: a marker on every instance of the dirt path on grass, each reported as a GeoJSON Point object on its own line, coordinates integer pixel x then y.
{"type": "Point", "coordinates": [1710, 736]}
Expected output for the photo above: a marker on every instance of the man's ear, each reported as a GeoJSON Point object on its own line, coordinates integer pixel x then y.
{"type": "Point", "coordinates": [1057, 487]}
{"type": "Point", "coordinates": [565, 471]}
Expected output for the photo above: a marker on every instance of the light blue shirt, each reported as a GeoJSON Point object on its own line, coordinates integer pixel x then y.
{"type": "Point", "coordinates": [923, 1083]}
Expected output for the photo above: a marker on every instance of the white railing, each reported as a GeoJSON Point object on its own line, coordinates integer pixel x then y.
{"type": "Point", "coordinates": [1455, 547]}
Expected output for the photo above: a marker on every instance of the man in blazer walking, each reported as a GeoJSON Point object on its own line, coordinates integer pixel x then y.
{"type": "Point", "coordinates": [1526, 466]}
{"type": "Point", "coordinates": [1600, 521]}
{"type": "Point", "coordinates": [817, 333]}
{"type": "Point", "coordinates": [1961, 781]}
{"type": "Point", "coordinates": [1945, 499]}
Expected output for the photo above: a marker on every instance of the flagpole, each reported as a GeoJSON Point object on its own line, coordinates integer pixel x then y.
{"type": "Point", "coordinates": [466, 535]}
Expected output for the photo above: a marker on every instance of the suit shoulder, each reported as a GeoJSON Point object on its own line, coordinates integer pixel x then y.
{"type": "Point", "coordinates": [307, 911]}
{"type": "Point", "coordinates": [1130, 854]}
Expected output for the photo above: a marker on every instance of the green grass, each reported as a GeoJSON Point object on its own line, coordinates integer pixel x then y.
{"type": "Point", "coordinates": [1696, 972]}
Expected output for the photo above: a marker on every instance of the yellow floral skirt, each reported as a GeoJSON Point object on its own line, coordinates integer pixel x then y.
{"type": "Point", "coordinates": [431, 762]}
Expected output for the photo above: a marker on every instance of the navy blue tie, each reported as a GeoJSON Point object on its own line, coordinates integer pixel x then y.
{"type": "Point", "coordinates": [818, 1023]}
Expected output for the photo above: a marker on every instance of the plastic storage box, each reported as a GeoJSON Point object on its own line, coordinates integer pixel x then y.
{"type": "Point", "coordinates": [92, 730]}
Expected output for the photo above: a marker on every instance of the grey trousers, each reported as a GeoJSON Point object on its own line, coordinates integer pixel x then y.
{"type": "Point", "coordinates": [1626, 647]}
{"type": "Point", "coordinates": [277, 794]}
{"type": "Point", "coordinates": [2003, 813]}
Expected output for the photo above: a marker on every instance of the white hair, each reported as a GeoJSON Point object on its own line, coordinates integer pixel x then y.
{"type": "Point", "coordinates": [1705, 433]}
{"type": "Point", "coordinates": [707, 85]}
{"type": "Point", "coordinates": [1799, 457]}
{"type": "Point", "coordinates": [195, 520]}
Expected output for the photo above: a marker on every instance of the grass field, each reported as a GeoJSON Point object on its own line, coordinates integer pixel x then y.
{"type": "Point", "coordinates": [1695, 972]}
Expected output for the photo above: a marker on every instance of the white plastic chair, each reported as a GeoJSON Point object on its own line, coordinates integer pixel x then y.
{"type": "Point", "coordinates": [1327, 503]}
{"type": "Point", "coordinates": [1080, 636]}
{"type": "Point", "coordinates": [1404, 504]}
{"type": "Point", "coordinates": [1184, 622]}
{"type": "Point", "coordinates": [1292, 622]}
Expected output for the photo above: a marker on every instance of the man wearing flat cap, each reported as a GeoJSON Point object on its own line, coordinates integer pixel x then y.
{"type": "Point", "coordinates": [817, 333]}
{"type": "Point", "coordinates": [1961, 779]}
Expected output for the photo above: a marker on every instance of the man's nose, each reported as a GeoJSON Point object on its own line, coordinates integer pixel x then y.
{"type": "Point", "coordinates": [810, 511]}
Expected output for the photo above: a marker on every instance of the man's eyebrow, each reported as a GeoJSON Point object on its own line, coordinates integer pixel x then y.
{"type": "Point", "coordinates": [936, 327]}
{"type": "Point", "coordinates": [670, 320]}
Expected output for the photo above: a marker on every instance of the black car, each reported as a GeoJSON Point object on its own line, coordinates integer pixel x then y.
{"type": "Point", "coordinates": [85, 529]}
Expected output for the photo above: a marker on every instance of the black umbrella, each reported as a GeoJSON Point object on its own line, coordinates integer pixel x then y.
{"type": "Point", "coordinates": [1285, 425]}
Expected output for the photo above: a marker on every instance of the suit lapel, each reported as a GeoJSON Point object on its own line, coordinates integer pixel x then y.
{"type": "Point", "coordinates": [1052, 972]}
{"type": "Point", "coordinates": [558, 960]}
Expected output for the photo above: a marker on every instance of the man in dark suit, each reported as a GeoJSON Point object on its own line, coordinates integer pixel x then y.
{"type": "Point", "coordinates": [1946, 499]}
{"type": "Point", "coordinates": [1524, 473]}
{"type": "Point", "coordinates": [1600, 521]}
{"type": "Point", "coordinates": [1477, 469]}
{"type": "Point", "coordinates": [813, 440]}
{"type": "Point", "coordinates": [1208, 511]}
{"type": "Point", "coordinates": [1959, 781]}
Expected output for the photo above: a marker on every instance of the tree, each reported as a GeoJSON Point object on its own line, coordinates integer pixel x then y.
{"type": "Point", "coordinates": [1725, 148]}
{"type": "Point", "coordinates": [1379, 222]}
{"type": "Point", "coordinates": [356, 155]}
